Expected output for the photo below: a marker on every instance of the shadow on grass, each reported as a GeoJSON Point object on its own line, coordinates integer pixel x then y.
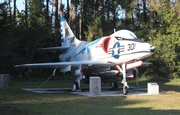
{"type": "Point", "coordinates": [81, 105]}
{"type": "Point", "coordinates": [67, 80]}
{"type": "Point", "coordinates": [165, 84]}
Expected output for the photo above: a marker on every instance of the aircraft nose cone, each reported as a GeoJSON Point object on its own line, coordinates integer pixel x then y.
{"type": "Point", "coordinates": [152, 48]}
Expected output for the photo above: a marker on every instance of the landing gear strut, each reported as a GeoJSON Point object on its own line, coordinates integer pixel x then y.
{"type": "Point", "coordinates": [76, 85]}
{"type": "Point", "coordinates": [125, 85]}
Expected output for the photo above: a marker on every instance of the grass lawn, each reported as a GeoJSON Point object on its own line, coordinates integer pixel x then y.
{"type": "Point", "coordinates": [14, 101]}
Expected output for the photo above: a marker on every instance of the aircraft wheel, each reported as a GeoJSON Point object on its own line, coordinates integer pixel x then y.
{"type": "Point", "coordinates": [75, 86]}
{"type": "Point", "coordinates": [125, 90]}
{"type": "Point", "coordinates": [115, 85]}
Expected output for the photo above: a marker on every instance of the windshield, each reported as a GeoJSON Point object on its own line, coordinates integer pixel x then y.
{"type": "Point", "coordinates": [124, 34]}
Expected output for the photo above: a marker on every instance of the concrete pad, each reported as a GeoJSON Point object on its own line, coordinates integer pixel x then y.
{"type": "Point", "coordinates": [105, 91]}
{"type": "Point", "coordinates": [108, 92]}
{"type": "Point", "coordinates": [48, 90]}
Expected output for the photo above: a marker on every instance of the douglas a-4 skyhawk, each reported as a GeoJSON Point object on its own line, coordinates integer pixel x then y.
{"type": "Point", "coordinates": [106, 57]}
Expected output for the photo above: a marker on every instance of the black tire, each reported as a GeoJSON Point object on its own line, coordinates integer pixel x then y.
{"type": "Point", "coordinates": [125, 90]}
{"type": "Point", "coordinates": [115, 85]}
{"type": "Point", "coordinates": [75, 86]}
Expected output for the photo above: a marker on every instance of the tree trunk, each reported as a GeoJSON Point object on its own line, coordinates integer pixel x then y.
{"type": "Point", "coordinates": [14, 20]}
{"type": "Point", "coordinates": [67, 10]}
{"type": "Point", "coordinates": [96, 7]}
{"type": "Point", "coordinates": [56, 19]}
{"type": "Point", "coordinates": [80, 20]}
{"type": "Point", "coordinates": [10, 17]}
{"type": "Point", "coordinates": [144, 11]}
{"type": "Point", "coordinates": [26, 10]}
{"type": "Point", "coordinates": [103, 16]}
{"type": "Point", "coordinates": [61, 9]}
{"type": "Point", "coordinates": [56, 12]}
{"type": "Point", "coordinates": [47, 11]}
{"type": "Point", "coordinates": [73, 15]}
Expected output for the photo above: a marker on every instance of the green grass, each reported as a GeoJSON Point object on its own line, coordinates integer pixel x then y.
{"type": "Point", "coordinates": [14, 101]}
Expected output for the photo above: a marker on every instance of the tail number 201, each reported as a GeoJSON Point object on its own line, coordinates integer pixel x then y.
{"type": "Point", "coordinates": [131, 46]}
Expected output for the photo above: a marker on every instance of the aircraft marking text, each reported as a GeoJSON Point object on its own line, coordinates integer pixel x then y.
{"type": "Point", "coordinates": [131, 46]}
{"type": "Point", "coordinates": [66, 32]}
{"type": "Point", "coordinates": [71, 39]}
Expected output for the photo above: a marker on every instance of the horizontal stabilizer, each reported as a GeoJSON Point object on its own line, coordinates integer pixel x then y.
{"type": "Point", "coordinates": [56, 48]}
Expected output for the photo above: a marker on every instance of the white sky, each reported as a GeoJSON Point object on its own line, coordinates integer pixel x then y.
{"type": "Point", "coordinates": [21, 6]}
{"type": "Point", "coordinates": [19, 3]}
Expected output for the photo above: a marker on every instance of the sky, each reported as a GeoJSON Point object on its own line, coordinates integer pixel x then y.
{"type": "Point", "coordinates": [19, 3]}
{"type": "Point", "coordinates": [21, 6]}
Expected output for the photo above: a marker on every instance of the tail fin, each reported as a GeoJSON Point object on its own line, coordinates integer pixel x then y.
{"type": "Point", "coordinates": [67, 36]}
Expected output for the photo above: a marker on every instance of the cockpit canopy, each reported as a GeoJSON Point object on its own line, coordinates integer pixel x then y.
{"type": "Point", "coordinates": [119, 35]}
{"type": "Point", "coordinates": [124, 34]}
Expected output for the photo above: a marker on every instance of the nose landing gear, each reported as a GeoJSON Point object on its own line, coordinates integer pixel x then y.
{"type": "Point", "coordinates": [123, 70]}
{"type": "Point", "coordinates": [125, 90]}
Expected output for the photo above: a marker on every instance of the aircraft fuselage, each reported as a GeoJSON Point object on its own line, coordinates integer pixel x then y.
{"type": "Point", "coordinates": [113, 48]}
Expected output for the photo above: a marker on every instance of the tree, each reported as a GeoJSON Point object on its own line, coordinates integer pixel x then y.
{"type": "Point", "coordinates": [166, 38]}
{"type": "Point", "coordinates": [56, 22]}
{"type": "Point", "coordinates": [26, 11]}
{"type": "Point", "coordinates": [80, 19]}
{"type": "Point", "coordinates": [47, 11]}
{"type": "Point", "coordinates": [157, 23]}
{"type": "Point", "coordinates": [14, 12]}
{"type": "Point", "coordinates": [73, 16]}
{"type": "Point", "coordinates": [61, 9]}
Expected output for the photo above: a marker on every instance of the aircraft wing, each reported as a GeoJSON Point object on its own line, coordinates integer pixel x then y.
{"type": "Point", "coordinates": [72, 63]}
{"type": "Point", "coordinates": [56, 48]}
{"type": "Point", "coordinates": [64, 64]}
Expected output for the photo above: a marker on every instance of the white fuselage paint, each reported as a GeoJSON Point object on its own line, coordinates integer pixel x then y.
{"type": "Point", "coordinates": [116, 50]}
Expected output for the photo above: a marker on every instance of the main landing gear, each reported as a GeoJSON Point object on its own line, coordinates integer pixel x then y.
{"type": "Point", "coordinates": [114, 85]}
{"type": "Point", "coordinates": [76, 85]}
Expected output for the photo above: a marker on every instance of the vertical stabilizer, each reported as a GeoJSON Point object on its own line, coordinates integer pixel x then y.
{"type": "Point", "coordinates": [67, 36]}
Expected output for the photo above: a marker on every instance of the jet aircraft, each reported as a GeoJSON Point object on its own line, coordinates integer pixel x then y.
{"type": "Point", "coordinates": [105, 57]}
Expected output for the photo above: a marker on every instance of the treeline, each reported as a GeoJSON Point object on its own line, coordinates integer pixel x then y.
{"type": "Point", "coordinates": [153, 21]}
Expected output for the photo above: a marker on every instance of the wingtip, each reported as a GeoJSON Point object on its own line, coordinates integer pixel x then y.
{"type": "Point", "coordinates": [16, 66]}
